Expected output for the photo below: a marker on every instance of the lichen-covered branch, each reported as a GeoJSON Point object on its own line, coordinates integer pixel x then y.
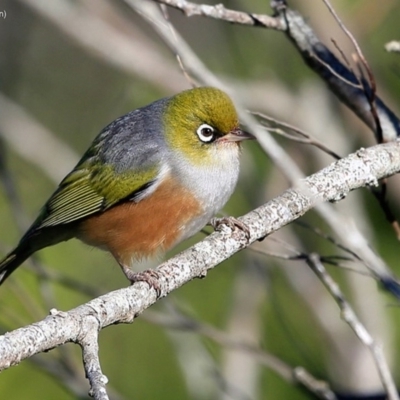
{"type": "Point", "coordinates": [333, 183]}
{"type": "Point", "coordinates": [220, 12]}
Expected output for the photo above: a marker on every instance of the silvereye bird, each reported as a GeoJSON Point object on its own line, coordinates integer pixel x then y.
{"type": "Point", "coordinates": [150, 179]}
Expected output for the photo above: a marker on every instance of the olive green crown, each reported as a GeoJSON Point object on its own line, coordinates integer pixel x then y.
{"type": "Point", "coordinates": [188, 110]}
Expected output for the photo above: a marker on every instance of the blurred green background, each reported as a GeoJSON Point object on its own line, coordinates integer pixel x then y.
{"type": "Point", "coordinates": [68, 68]}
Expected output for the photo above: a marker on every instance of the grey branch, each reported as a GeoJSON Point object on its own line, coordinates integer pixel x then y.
{"type": "Point", "coordinates": [353, 91]}
{"type": "Point", "coordinates": [90, 354]}
{"type": "Point", "coordinates": [220, 12]}
{"type": "Point", "coordinates": [350, 317]}
{"type": "Point", "coordinates": [333, 183]}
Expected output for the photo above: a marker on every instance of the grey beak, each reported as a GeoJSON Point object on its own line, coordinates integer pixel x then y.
{"type": "Point", "coordinates": [237, 135]}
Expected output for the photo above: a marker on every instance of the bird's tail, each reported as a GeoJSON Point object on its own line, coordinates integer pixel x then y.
{"type": "Point", "coordinates": [34, 240]}
{"type": "Point", "coordinates": [10, 263]}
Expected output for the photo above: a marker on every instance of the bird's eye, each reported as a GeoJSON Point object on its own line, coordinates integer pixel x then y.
{"type": "Point", "coordinates": [206, 133]}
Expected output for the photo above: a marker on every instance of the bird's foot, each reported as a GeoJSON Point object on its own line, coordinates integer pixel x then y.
{"type": "Point", "coordinates": [232, 222]}
{"type": "Point", "coordinates": [150, 276]}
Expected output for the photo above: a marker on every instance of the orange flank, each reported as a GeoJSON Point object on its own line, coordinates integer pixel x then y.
{"type": "Point", "coordinates": [135, 230]}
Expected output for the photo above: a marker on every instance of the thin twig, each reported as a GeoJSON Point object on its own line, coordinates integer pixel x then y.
{"type": "Point", "coordinates": [177, 55]}
{"type": "Point", "coordinates": [308, 139]}
{"type": "Point", "coordinates": [355, 324]}
{"type": "Point", "coordinates": [370, 91]}
{"type": "Point", "coordinates": [221, 13]}
{"type": "Point", "coordinates": [88, 340]}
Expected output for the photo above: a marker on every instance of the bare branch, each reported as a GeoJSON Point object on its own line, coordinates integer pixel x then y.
{"type": "Point", "coordinates": [362, 168]}
{"type": "Point", "coordinates": [221, 13]}
{"type": "Point", "coordinates": [320, 388]}
{"type": "Point", "coordinates": [90, 352]}
{"type": "Point", "coordinates": [322, 61]}
{"type": "Point", "coordinates": [305, 137]}
{"type": "Point", "coordinates": [359, 329]}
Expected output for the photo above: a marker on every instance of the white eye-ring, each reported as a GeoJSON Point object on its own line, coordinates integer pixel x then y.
{"type": "Point", "coordinates": [206, 133]}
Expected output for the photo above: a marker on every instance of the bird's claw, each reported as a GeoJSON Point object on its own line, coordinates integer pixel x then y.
{"type": "Point", "coordinates": [232, 222]}
{"type": "Point", "coordinates": [149, 276]}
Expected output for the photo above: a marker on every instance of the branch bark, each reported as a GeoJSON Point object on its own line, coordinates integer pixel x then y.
{"type": "Point", "coordinates": [333, 183]}
{"type": "Point", "coordinates": [220, 12]}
